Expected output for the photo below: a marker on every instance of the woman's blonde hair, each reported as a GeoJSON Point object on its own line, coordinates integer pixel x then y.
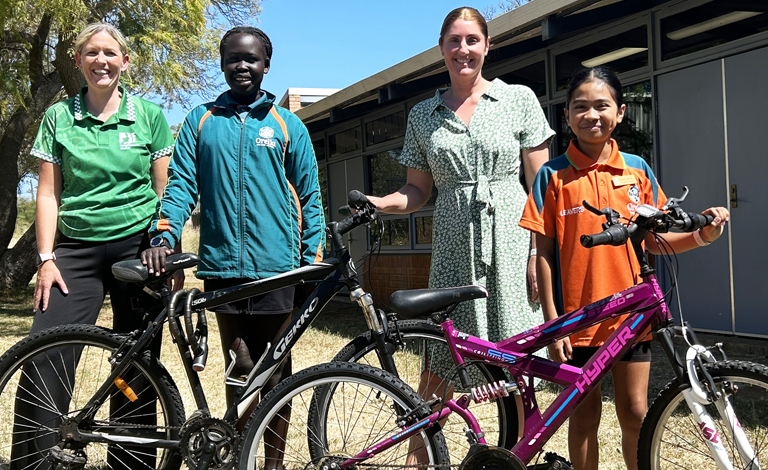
{"type": "Point", "coordinates": [94, 28]}
{"type": "Point", "coordinates": [467, 14]}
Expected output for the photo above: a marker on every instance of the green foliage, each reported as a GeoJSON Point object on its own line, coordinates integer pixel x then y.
{"type": "Point", "coordinates": [172, 46]}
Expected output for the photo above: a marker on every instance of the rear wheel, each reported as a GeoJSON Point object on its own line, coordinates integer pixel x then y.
{"type": "Point", "coordinates": [422, 339]}
{"type": "Point", "coordinates": [671, 437]}
{"type": "Point", "coordinates": [46, 379]}
{"type": "Point", "coordinates": [359, 413]}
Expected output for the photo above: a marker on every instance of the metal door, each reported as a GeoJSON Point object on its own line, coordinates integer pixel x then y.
{"type": "Point", "coordinates": [692, 147]}
{"type": "Point", "coordinates": [746, 92]}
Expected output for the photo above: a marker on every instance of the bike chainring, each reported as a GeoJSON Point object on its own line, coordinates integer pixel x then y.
{"type": "Point", "coordinates": [484, 457]}
{"type": "Point", "coordinates": [208, 443]}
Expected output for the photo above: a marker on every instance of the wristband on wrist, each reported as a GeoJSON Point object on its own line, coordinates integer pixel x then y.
{"type": "Point", "coordinates": [699, 239]}
{"type": "Point", "coordinates": [533, 251]}
{"type": "Point", "coordinates": [43, 257]}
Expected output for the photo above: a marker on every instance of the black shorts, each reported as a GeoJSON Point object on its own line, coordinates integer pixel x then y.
{"type": "Point", "coordinates": [276, 302]}
{"type": "Point", "coordinates": [641, 352]}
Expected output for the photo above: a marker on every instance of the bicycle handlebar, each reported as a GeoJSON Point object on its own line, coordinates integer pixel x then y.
{"type": "Point", "coordinates": [649, 219]}
{"type": "Point", "coordinates": [365, 212]}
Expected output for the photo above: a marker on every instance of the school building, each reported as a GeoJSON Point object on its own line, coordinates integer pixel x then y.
{"type": "Point", "coordinates": [695, 74]}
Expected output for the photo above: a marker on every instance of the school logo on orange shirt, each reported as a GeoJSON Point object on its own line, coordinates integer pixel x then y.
{"type": "Point", "coordinates": [634, 194]}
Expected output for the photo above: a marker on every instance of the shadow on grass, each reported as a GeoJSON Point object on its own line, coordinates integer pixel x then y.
{"type": "Point", "coordinates": [342, 318]}
{"type": "Point", "coordinates": [16, 312]}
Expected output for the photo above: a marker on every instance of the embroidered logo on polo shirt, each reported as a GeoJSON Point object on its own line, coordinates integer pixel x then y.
{"type": "Point", "coordinates": [634, 194]}
{"type": "Point", "coordinates": [127, 140]}
{"type": "Point", "coordinates": [265, 138]}
{"type": "Point", "coordinates": [572, 211]}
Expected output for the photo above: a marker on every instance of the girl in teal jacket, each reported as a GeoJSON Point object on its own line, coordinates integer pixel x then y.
{"type": "Point", "coordinates": [252, 165]}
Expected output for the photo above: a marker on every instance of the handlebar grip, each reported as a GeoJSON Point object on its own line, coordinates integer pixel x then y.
{"type": "Point", "coordinates": [700, 220]}
{"type": "Point", "coordinates": [357, 199]}
{"type": "Point", "coordinates": [615, 235]}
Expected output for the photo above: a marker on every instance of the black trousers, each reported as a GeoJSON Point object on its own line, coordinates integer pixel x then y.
{"type": "Point", "coordinates": [86, 270]}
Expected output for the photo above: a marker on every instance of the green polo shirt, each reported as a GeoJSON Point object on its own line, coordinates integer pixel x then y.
{"type": "Point", "coordinates": [107, 186]}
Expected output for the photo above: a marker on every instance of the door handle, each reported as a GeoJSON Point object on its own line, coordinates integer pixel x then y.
{"type": "Point", "coordinates": [734, 197]}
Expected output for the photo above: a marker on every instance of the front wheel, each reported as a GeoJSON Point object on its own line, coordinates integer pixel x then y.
{"type": "Point", "coordinates": [49, 377]}
{"type": "Point", "coordinates": [361, 412]}
{"type": "Point", "coordinates": [422, 340]}
{"type": "Point", "coordinates": [671, 438]}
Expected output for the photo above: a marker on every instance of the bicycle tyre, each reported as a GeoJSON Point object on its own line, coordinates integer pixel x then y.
{"type": "Point", "coordinates": [79, 356]}
{"type": "Point", "coordinates": [498, 418]}
{"type": "Point", "coordinates": [370, 420]}
{"type": "Point", "coordinates": [670, 436]}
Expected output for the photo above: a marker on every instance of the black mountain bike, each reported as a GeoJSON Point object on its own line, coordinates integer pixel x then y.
{"type": "Point", "coordinates": [119, 404]}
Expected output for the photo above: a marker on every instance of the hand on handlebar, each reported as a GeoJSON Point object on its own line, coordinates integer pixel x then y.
{"type": "Point", "coordinates": [713, 231]}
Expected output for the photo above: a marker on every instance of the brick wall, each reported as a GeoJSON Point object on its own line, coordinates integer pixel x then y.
{"type": "Point", "coordinates": [395, 272]}
{"type": "Point", "coordinates": [294, 103]}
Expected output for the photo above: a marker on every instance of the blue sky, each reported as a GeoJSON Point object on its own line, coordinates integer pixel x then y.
{"type": "Point", "coordinates": [335, 43]}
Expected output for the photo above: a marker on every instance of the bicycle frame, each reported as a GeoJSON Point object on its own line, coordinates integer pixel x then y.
{"type": "Point", "coordinates": [646, 309]}
{"type": "Point", "coordinates": [332, 274]}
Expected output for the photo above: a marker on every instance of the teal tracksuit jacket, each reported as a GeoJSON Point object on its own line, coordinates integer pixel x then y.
{"type": "Point", "coordinates": [256, 176]}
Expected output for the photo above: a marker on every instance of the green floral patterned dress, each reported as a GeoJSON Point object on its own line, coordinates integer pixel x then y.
{"type": "Point", "coordinates": [476, 239]}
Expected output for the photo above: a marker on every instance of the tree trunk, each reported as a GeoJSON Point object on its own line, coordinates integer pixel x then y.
{"type": "Point", "coordinates": [17, 265]}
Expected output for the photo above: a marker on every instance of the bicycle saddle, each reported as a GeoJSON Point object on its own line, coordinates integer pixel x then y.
{"type": "Point", "coordinates": [417, 303]}
{"type": "Point", "coordinates": [134, 271]}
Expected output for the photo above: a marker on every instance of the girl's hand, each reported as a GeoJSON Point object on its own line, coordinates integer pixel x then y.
{"type": "Point", "coordinates": [47, 275]}
{"type": "Point", "coordinates": [713, 231]}
{"type": "Point", "coordinates": [560, 350]}
{"type": "Point", "coordinates": [533, 287]}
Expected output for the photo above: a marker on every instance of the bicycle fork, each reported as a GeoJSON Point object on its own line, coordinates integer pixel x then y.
{"type": "Point", "coordinates": [696, 398]}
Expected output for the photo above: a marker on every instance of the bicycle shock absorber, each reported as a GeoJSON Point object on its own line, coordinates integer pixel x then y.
{"type": "Point", "coordinates": [492, 391]}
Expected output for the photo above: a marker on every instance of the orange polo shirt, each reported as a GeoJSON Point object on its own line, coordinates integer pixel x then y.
{"type": "Point", "coordinates": [554, 209]}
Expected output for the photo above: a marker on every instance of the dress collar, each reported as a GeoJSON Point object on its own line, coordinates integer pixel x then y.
{"type": "Point", "coordinates": [494, 93]}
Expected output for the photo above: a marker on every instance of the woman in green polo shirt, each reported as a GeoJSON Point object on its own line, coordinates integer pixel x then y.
{"type": "Point", "coordinates": [104, 159]}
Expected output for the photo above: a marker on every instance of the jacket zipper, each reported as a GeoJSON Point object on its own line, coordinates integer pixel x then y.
{"type": "Point", "coordinates": [241, 212]}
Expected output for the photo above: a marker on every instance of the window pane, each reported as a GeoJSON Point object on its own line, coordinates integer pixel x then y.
{"type": "Point", "coordinates": [396, 233]}
{"type": "Point", "coordinates": [423, 230]}
{"type": "Point", "coordinates": [319, 146]}
{"type": "Point", "coordinates": [344, 141]}
{"type": "Point", "coordinates": [635, 133]}
{"type": "Point", "coordinates": [322, 178]}
{"type": "Point", "coordinates": [386, 128]}
{"type": "Point", "coordinates": [533, 76]}
{"type": "Point", "coordinates": [711, 24]}
{"type": "Point", "coordinates": [387, 175]}
{"type": "Point", "coordinates": [621, 53]}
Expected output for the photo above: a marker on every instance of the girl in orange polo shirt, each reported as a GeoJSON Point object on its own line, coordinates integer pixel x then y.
{"type": "Point", "coordinates": [594, 169]}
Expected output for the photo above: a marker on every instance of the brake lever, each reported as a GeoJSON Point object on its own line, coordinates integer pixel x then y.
{"type": "Point", "coordinates": [611, 216]}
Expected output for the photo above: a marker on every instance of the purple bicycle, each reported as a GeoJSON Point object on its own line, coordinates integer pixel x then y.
{"type": "Point", "coordinates": [346, 414]}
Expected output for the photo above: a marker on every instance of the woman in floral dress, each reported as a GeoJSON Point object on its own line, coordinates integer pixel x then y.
{"type": "Point", "coordinates": [469, 141]}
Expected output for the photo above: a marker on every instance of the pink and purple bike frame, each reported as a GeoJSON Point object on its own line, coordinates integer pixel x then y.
{"type": "Point", "coordinates": [646, 300]}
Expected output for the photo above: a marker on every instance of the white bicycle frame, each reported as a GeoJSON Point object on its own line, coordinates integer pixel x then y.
{"type": "Point", "coordinates": [697, 398]}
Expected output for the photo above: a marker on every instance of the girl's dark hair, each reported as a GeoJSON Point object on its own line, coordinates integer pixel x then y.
{"type": "Point", "coordinates": [600, 73]}
{"type": "Point", "coordinates": [255, 32]}
{"type": "Point", "coordinates": [464, 13]}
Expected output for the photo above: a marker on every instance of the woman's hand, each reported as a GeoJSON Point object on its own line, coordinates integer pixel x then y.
{"type": "Point", "coordinates": [713, 231]}
{"type": "Point", "coordinates": [47, 275]}
{"type": "Point", "coordinates": [561, 350]}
